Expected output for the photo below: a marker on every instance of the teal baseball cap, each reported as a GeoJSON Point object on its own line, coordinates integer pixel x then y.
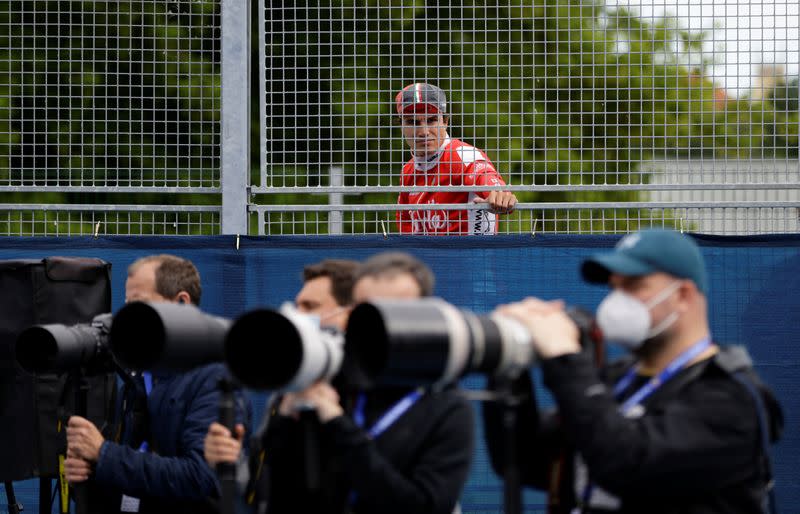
{"type": "Point", "coordinates": [650, 251]}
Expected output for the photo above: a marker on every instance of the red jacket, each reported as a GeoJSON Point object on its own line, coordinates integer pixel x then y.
{"type": "Point", "coordinates": [456, 164]}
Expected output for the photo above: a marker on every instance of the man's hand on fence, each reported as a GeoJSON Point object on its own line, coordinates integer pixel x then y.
{"type": "Point", "coordinates": [500, 202]}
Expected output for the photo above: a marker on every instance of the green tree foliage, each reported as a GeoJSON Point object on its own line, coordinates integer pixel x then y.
{"type": "Point", "coordinates": [117, 93]}
{"type": "Point", "coordinates": [559, 92]}
{"type": "Point", "coordinates": [786, 121]}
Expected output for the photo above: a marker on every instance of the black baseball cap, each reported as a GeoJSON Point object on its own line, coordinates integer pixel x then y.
{"type": "Point", "coordinates": [421, 97]}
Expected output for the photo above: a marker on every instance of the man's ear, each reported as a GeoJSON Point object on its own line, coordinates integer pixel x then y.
{"type": "Point", "coordinates": [688, 291]}
{"type": "Point", "coordinates": [183, 297]}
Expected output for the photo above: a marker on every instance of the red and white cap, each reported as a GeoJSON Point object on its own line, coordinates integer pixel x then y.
{"type": "Point", "coordinates": [421, 97]}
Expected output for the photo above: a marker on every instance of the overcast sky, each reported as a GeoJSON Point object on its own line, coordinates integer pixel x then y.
{"type": "Point", "coordinates": [742, 34]}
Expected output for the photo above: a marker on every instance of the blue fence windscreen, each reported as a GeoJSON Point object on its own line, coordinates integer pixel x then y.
{"type": "Point", "coordinates": [754, 299]}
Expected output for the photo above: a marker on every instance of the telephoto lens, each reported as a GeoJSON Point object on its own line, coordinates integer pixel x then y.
{"type": "Point", "coordinates": [429, 342]}
{"type": "Point", "coordinates": [56, 348]}
{"type": "Point", "coordinates": [282, 350]}
{"type": "Point", "coordinates": [166, 336]}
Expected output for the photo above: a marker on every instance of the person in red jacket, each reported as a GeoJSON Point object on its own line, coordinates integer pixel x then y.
{"type": "Point", "coordinates": [439, 160]}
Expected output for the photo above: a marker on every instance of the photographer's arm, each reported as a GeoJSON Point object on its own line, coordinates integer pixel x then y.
{"type": "Point", "coordinates": [184, 476]}
{"type": "Point", "coordinates": [187, 477]}
{"type": "Point", "coordinates": [703, 440]}
{"type": "Point", "coordinates": [439, 471]}
{"type": "Point", "coordinates": [706, 439]}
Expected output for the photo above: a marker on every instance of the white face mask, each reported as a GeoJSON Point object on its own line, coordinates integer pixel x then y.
{"type": "Point", "coordinates": [289, 310]}
{"type": "Point", "coordinates": [323, 320]}
{"type": "Point", "coordinates": [626, 320]}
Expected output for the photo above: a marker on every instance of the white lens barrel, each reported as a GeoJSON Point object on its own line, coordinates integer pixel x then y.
{"type": "Point", "coordinates": [322, 353]}
{"type": "Point", "coordinates": [517, 353]}
{"type": "Point", "coordinates": [459, 348]}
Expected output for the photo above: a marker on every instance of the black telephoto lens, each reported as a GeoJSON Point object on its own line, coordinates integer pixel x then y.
{"type": "Point", "coordinates": [166, 336]}
{"type": "Point", "coordinates": [56, 348]}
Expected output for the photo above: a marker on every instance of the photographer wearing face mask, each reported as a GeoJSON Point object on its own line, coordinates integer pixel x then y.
{"type": "Point", "coordinates": [326, 296]}
{"type": "Point", "coordinates": [682, 424]}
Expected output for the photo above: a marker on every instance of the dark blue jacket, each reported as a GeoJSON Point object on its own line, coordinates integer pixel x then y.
{"type": "Point", "coordinates": [172, 474]}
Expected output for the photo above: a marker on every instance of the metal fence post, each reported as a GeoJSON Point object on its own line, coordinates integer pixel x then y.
{"type": "Point", "coordinates": [235, 140]}
{"type": "Point", "coordinates": [335, 217]}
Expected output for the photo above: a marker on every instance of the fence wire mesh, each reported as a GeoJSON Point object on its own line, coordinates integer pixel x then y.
{"type": "Point", "coordinates": [573, 101]}
{"type": "Point", "coordinates": [622, 101]}
{"type": "Point", "coordinates": [107, 98]}
{"type": "Point", "coordinates": [724, 218]}
{"type": "Point", "coordinates": [82, 220]}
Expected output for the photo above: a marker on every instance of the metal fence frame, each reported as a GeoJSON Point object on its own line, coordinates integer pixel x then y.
{"type": "Point", "coordinates": [235, 115]}
{"type": "Point", "coordinates": [667, 194]}
{"type": "Point", "coordinates": [238, 205]}
{"type": "Point", "coordinates": [231, 213]}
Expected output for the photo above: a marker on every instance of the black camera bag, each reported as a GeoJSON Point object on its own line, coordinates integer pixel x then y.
{"type": "Point", "coordinates": [66, 290]}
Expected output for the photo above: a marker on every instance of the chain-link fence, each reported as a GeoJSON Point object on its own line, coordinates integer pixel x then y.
{"type": "Point", "coordinates": [716, 217]}
{"type": "Point", "coordinates": [109, 117]}
{"type": "Point", "coordinates": [600, 117]}
{"type": "Point", "coordinates": [91, 219]}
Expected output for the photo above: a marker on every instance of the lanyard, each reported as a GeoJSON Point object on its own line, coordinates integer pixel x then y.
{"type": "Point", "coordinates": [389, 417]}
{"type": "Point", "coordinates": [147, 378]}
{"type": "Point", "coordinates": [384, 422]}
{"type": "Point", "coordinates": [649, 388]}
{"type": "Point", "coordinates": [654, 383]}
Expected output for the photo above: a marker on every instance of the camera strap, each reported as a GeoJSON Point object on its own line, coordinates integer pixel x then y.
{"type": "Point", "coordinates": [384, 422]}
{"type": "Point", "coordinates": [129, 503]}
{"type": "Point", "coordinates": [147, 378]}
{"type": "Point", "coordinates": [389, 417]}
{"type": "Point", "coordinates": [636, 399]}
